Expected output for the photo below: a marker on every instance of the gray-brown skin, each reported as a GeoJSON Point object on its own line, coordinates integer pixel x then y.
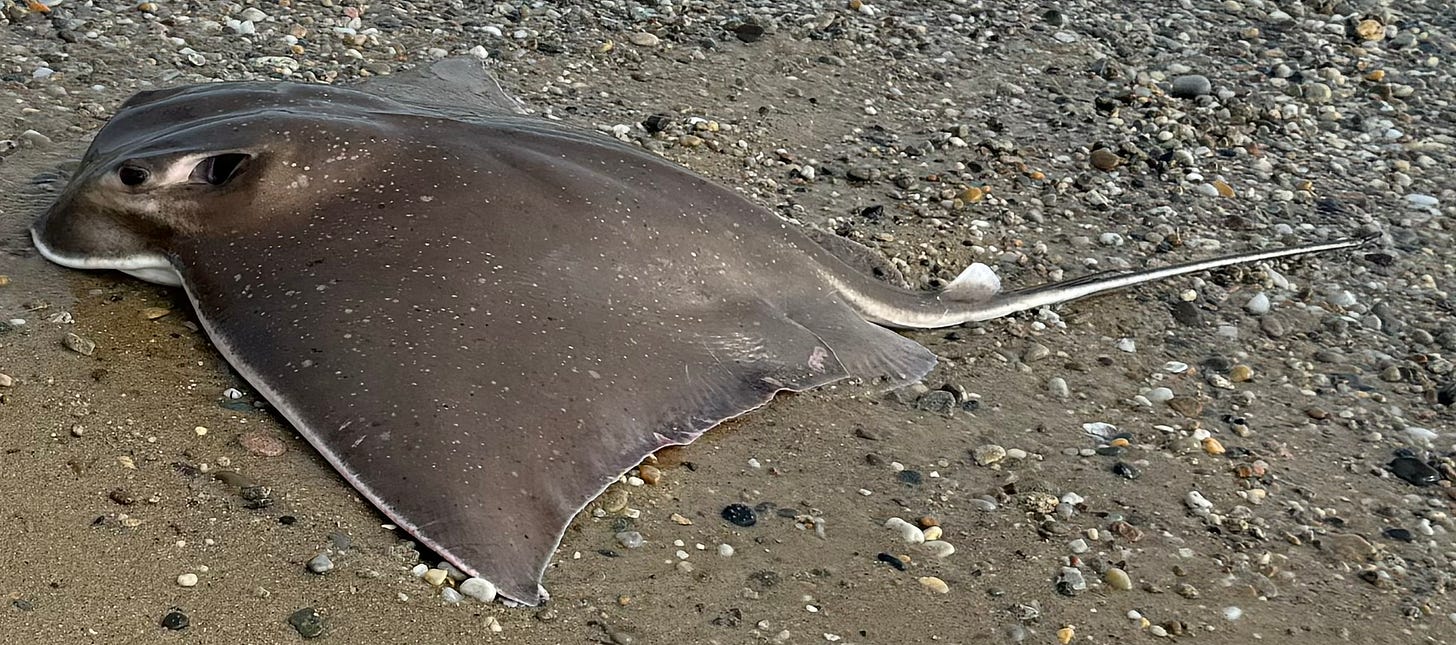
{"type": "Point", "coordinates": [482, 319]}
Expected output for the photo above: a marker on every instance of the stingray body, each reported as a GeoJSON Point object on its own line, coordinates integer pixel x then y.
{"type": "Point", "coordinates": [482, 319]}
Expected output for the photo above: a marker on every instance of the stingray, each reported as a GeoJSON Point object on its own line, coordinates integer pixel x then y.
{"type": "Point", "coordinates": [482, 319]}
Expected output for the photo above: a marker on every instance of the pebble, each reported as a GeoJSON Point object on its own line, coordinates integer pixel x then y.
{"type": "Point", "coordinates": [82, 346]}
{"type": "Point", "coordinates": [1078, 546]}
{"type": "Point", "coordinates": [1414, 471]}
{"type": "Point", "coordinates": [934, 584]}
{"type": "Point", "coordinates": [1105, 160]}
{"type": "Point", "coordinates": [1241, 374]}
{"type": "Point", "coordinates": [932, 532]}
{"type": "Point", "coordinates": [1159, 394]}
{"type": "Point", "coordinates": [1118, 579]}
{"type": "Point", "coordinates": [262, 443]}
{"type": "Point", "coordinates": [479, 589]}
{"type": "Point", "coordinates": [1196, 501]}
{"type": "Point", "coordinates": [6, 380]}
{"type": "Point", "coordinates": [643, 39]}
{"type": "Point", "coordinates": [451, 596]}
{"type": "Point", "coordinates": [1191, 86]}
{"type": "Point", "coordinates": [1258, 305]}
{"type": "Point", "coordinates": [891, 560]}
{"type": "Point", "coordinates": [938, 548]}
{"type": "Point", "coordinates": [1058, 388]}
{"type": "Point", "coordinates": [630, 539]}
{"type": "Point", "coordinates": [1071, 582]}
{"type": "Point", "coordinates": [988, 454]}
{"type": "Point", "coordinates": [176, 620]}
{"type": "Point", "coordinates": [740, 515]}
{"type": "Point", "coordinates": [1127, 345]}
{"type": "Point", "coordinates": [187, 580]}
{"type": "Point", "coordinates": [307, 622]}
{"type": "Point", "coordinates": [435, 577]}
{"type": "Point", "coordinates": [321, 564]}
{"type": "Point", "coordinates": [725, 550]}
{"type": "Point", "coordinates": [937, 401]}
{"type": "Point", "coordinates": [910, 533]}
{"type": "Point", "coordinates": [651, 475]}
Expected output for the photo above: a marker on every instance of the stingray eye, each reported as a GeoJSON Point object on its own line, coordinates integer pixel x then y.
{"type": "Point", "coordinates": [218, 169]}
{"type": "Point", "coordinates": [132, 175]}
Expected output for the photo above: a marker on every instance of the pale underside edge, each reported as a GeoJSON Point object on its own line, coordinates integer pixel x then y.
{"type": "Point", "coordinates": [150, 267]}
{"type": "Point", "coordinates": [286, 410]}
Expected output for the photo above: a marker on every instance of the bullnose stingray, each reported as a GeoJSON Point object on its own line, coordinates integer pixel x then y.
{"type": "Point", "coordinates": [483, 319]}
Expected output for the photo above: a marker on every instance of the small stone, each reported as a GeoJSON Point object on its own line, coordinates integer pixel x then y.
{"type": "Point", "coordinates": [937, 401]}
{"type": "Point", "coordinates": [153, 313]}
{"type": "Point", "coordinates": [1187, 406]}
{"type": "Point", "coordinates": [1241, 374]}
{"type": "Point", "coordinates": [479, 589]}
{"type": "Point", "coordinates": [1258, 305]}
{"type": "Point", "coordinates": [650, 475]}
{"type": "Point", "coordinates": [1066, 634]}
{"type": "Point", "coordinates": [1127, 345]}
{"type": "Point", "coordinates": [1232, 613]}
{"type": "Point", "coordinates": [1317, 93]}
{"type": "Point", "coordinates": [1370, 30]}
{"type": "Point", "coordinates": [435, 577]}
{"type": "Point", "coordinates": [187, 580]}
{"type": "Point", "coordinates": [725, 550]}
{"type": "Point", "coordinates": [989, 454]}
{"type": "Point", "coordinates": [1078, 546]}
{"type": "Point", "coordinates": [307, 622]}
{"type": "Point", "coordinates": [1126, 470]}
{"type": "Point", "coordinates": [1118, 579]}
{"type": "Point", "coordinates": [1196, 501]}
{"type": "Point", "coordinates": [6, 380]}
{"type": "Point", "coordinates": [933, 533]}
{"type": "Point", "coordinates": [1317, 413]}
{"type": "Point", "coordinates": [79, 345]}
{"type": "Point", "coordinates": [176, 620]}
{"type": "Point", "coordinates": [1186, 590]}
{"type": "Point", "coordinates": [748, 32]}
{"type": "Point", "coordinates": [1212, 446]}
{"type": "Point", "coordinates": [1105, 160]}
{"type": "Point", "coordinates": [740, 515]}
{"type": "Point", "coordinates": [1035, 352]}
{"type": "Point", "coordinates": [630, 539]}
{"type": "Point", "coordinates": [1191, 86]}
{"type": "Point", "coordinates": [910, 533]}
{"type": "Point", "coordinates": [1071, 582]}
{"type": "Point", "coordinates": [891, 560]}
{"type": "Point", "coordinates": [934, 584]}
{"type": "Point", "coordinates": [321, 564]}
{"type": "Point", "coordinates": [262, 443]}
{"type": "Point", "coordinates": [1058, 387]}
{"type": "Point", "coordinates": [1414, 471]}
{"type": "Point", "coordinates": [643, 39]}
{"type": "Point", "coordinates": [938, 549]}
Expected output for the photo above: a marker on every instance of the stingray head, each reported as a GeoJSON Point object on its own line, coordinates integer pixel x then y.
{"type": "Point", "coordinates": [187, 162]}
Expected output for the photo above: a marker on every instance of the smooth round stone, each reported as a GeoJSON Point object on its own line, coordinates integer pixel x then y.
{"type": "Point", "coordinates": [1258, 305]}
{"type": "Point", "coordinates": [450, 595]}
{"type": "Point", "coordinates": [740, 515]}
{"type": "Point", "coordinates": [725, 550]}
{"type": "Point", "coordinates": [935, 584]}
{"type": "Point", "coordinates": [479, 589]}
{"type": "Point", "coordinates": [1159, 395]}
{"type": "Point", "coordinates": [910, 533]}
{"type": "Point", "coordinates": [1127, 345]}
{"type": "Point", "coordinates": [1190, 86]}
{"type": "Point", "coordinates": [1118, 579]}
{"type": "Point", "coordinates": [938, 548]}
{"type": "Point", "coordinates": [1078, 546]}
{"type": "Point", "coordinates": [307, 622]}
{"type": "Point", "coordinates": [1058, 387]}
{"type": "Point", "coordinates": [1232, 613]}
{"type": "Point", "coordinates": [321, 564]}
{"type": "Point", "coordinates": [187, 580]}
{"type": "Point", "coordinates": [176, 620]}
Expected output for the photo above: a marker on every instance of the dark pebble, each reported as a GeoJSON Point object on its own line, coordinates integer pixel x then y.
{"type": "Point", "coordinates": [287, 520]}
{"type": "Point", "coordinates": [22, 604]}
{"type": "Point", "coordinates": [1414, 471]}
{"type": "Point", "coordinates": [937, 401]}
{"type": "Point", "coordinates": [307, 622]}
{"type": "Point", "coordinates": [1128, 471]}
{"type": "Point", "coordinates": [1187, 314]}
{"type": "Point", "coordinates": [176, 620]}
{"type": "Point", "coordinates": [740, 515]}
{"type": "Point", "coordinates": [341, 541]}
{"type": "Point", "coordinates": [748, 32]}
{"type": "Point", "coordinates": [912, 477]}
{"type": "Point", "coordinates": [1404, 535]}
{"type": "Point", "coordinates": [121, 496]}
{"type": "Point", "coordinates": [657, 122]}
{"type": "Point", "coordinates": [892, 561]}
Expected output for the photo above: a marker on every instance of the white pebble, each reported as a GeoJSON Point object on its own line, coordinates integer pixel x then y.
{"type": "Point", "coordinates": [910, 533]}
{"type": "Point", "coordinates": [1232, 613]}
{"type": "Point", "coordinates": [1258, 305]}
{"type": "Point", "coordinates": [451, 596]}
{"type": "Point", "coordinates": [1175, 367]}
{"type": "Point", "coordinates": [1159, 394]}
{"type": "Point", "coordinates": [187, 580]}
{"type": "Point", "coordinates": [479, 589]}
{"type": "Point", "coordinates": [1196, 501]}
{"type": "Point", "coordinates": [725, 550]}
{"type": "Point", "coordinates": [1127, 345]}
{"type": "Point", "coordinates": [938, 548]}
{"type": "Point", "coordinates": [419, 570]}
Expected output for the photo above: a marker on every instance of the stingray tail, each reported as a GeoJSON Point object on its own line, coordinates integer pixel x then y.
{"type": "Point", "coordinates": [976, 293]}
